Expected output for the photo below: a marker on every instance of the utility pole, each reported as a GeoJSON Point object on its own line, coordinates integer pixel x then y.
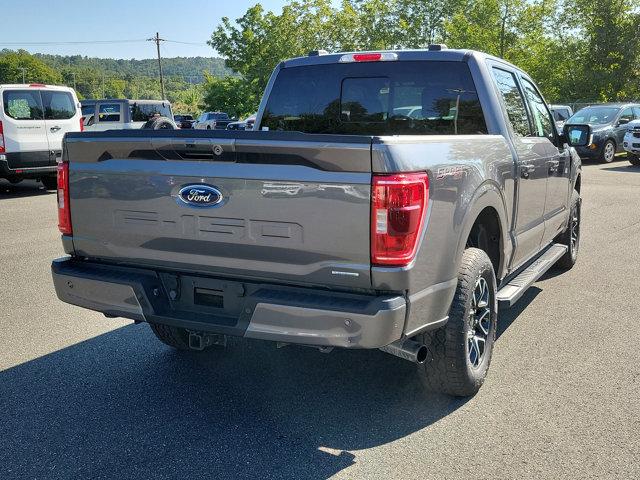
{"type": "Point", "coordinates": [157, 41]}
{"type": "Point", "coordinates": [23, 71]}
{"type": "Point", "coordinates": [74, 80]}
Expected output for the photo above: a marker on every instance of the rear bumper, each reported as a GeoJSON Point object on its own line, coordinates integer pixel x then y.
{"type": "Point", "coordinates": [26, 165]}
{"type": "Point", "coordinates": [263, 311]}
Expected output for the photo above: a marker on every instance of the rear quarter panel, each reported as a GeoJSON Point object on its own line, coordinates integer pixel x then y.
{"type": "Point", "coordinates": [466, 174]}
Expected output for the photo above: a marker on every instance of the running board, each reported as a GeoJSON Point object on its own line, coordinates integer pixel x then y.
{"type": "Point", "coordinates": [512, 291]}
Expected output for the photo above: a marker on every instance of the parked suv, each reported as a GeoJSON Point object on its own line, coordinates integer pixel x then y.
{"type": "Point", "coordinates": [213, 121]}
{"type": "Point", "coordinates": [608, 125]}
{"type": "Point", "coordinates": [632, 142]}
{"type": "Point", "coordinates": [184, 121]}
{"type": "Point", "coordinates": [118, 114]}
{"type": "Point", "coordinates": [341, 221]}
{"type": "Point", "coordinates": [561, 114]}
{"type": "Point", "coordinates": [33, 121]}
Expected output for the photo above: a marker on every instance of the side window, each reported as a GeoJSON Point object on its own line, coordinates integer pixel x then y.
{"type": "Point", "coordinates": [627, 114]}
{"type": "Point", "coordinates": [636, 113]}
{"type": "Point", "coordinates": [542, 122]}
{"type": "Point", "coordinates": [517, 112]}
{"type": "Point", "coordinates": [23, 104]}
{"type": "Point", "coordinates": [58, 105]}
{"type": "Point", "coordinates": [109, 112]}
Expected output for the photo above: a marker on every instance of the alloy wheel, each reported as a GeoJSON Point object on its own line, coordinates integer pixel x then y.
{"type": "Point", "coordinates": [575, 229]}
{"type": "Point", "coordinates": [609, 152]}
{"type": "Point", "coordinates": [479, 323]}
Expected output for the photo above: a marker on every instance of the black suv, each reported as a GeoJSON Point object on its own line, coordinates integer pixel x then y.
{"type": "Point", "coordinates": [608, 123]}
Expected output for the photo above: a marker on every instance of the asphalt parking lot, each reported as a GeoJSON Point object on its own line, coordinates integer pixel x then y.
{"type": "Point", "coordinates": [82, 396]}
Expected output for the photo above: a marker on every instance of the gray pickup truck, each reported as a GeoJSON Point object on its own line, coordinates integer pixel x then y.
{"type": "Point", "coordinates": [388, 200]}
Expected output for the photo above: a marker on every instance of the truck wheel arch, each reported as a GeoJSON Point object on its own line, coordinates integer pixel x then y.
{"type": "Point", "coordinates": [488, 210]}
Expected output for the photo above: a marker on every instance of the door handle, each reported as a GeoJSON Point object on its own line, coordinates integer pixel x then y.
{"type": "Point", "coordinates": [526, 169]}
{"type": "Point", "coordinates": [55, 129]}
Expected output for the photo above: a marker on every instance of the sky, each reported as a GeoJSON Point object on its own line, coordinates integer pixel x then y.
{"type": "Point", "coordinates": [192, 21]}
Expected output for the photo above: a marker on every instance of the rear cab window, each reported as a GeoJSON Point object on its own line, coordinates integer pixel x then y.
{"type": "Point", "coordinates": [376, 98]}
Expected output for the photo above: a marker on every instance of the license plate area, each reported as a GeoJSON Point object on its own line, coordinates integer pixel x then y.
{"type": "Point", "coordinates": [205, 299]}
{"type": "Point", "coordinates": [208, 298]}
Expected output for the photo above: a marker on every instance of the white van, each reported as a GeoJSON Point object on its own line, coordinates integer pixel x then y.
{"type": "Point", "coordinates": [33, 120]}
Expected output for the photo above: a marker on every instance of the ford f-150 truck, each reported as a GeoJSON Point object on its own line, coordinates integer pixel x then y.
{"type": "Point", "coordinates": [390, 200]}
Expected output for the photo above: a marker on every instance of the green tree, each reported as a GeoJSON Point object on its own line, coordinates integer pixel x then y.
{"type": "Point", "coordinates": [230, 94]}
{"type": "Point", "coordinates": [35, 70]}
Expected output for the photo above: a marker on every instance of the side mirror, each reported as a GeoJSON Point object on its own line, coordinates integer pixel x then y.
{"type": "Point", "coordinates": [577, 135]}
{"type": "Point", "coordinates": [623, 121]}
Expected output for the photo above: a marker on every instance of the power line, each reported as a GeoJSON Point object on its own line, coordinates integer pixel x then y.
{"type": "Point", "coordinates": [186, 43]}
{"type": "Point", "coordinates": [94, 42]}
{"type": "Point", "coordinates": [89, 42]}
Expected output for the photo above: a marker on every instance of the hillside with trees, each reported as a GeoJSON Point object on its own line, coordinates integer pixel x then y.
{"type": "Point", "coordinates": [117, 78]}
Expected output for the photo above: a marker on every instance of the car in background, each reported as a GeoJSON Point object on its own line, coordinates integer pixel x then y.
{"type": "Point", "coordinates": [184, 121]}
{"type": "Point", "coordinates": [123, 113]}
{"type": "Point", "coordinates": [33, 120]}
{"type": "Point", "coordinates": [631, 143]}
{"type": "Point", "coordinates": [213, 121]}
{"type": "Point", "coordinates": [608, 123]}
{"type": "Point", "coordinates": [246, 124]}
{"type": "Point", "coordinates": [561, 113]}
{"type": "Point", "coordinates": [250, 122]}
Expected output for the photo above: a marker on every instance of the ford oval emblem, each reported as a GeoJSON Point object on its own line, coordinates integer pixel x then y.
{"type": "Point", "coordinates": [200, 195]}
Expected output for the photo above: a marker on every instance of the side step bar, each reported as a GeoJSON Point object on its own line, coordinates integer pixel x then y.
{"type": "Point", "coordinates": [512, 291]}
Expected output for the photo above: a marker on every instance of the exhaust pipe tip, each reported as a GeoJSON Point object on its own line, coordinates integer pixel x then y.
{"type": "Point", "coordinates": [421, 354]}
{"type": "Point", "coordinates": [410, 350]}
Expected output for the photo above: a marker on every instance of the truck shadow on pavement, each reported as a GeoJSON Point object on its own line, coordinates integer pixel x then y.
{"type": "Point", "coordinates": [27, 188]}
{"type": "Point", "coordinates": [122, 405]}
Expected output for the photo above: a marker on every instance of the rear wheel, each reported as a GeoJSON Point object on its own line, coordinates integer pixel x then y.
{"type": "Point", "coordinates": [173, 336]}
{"type": "Point", "coordinates": [50, 183]}
{"type": "Point", "coordinates": [571, 236]}
{"type": "Point", "coordinates": [634, 160]}
{"type": "Point", "coordinates": [608, 152]}
{"type": "Point", "coordinates": [460, 352]}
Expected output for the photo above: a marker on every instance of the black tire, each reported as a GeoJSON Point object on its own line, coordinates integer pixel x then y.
{"type": "Point", "coordinates": [571, 236]}
{"type": "Point", "coordinates": [50, 183]}
{"type": "Point", "coordinates": [451, 367]}
{"type": "Point", "coordinates": [605, 156]}
{"type": "Point", "coordinates": [175, 337]}
{"type": "Point", "coordinates": [208, 127]}
{"type": "Point", "coordinates": [634, 160]}
{"type": "Point", "coordinates": [160, 123]}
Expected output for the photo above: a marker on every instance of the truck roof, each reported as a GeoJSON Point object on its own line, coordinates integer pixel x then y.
{"type": "Point", "coordinates": [441, 53]}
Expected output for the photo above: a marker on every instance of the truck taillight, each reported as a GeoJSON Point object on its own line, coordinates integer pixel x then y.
{"type": "Point", "coordinates": [81, 124]}
{"type": "Point", "coordinates": [64, 212]}
{"type": "Point", "coordinates": [2, 149]}
{"type": "Point", "coordinates": [398, 206]}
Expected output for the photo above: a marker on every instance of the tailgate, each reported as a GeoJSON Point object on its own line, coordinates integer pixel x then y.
{"type": "Point", "coordinates": [278, 206]}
